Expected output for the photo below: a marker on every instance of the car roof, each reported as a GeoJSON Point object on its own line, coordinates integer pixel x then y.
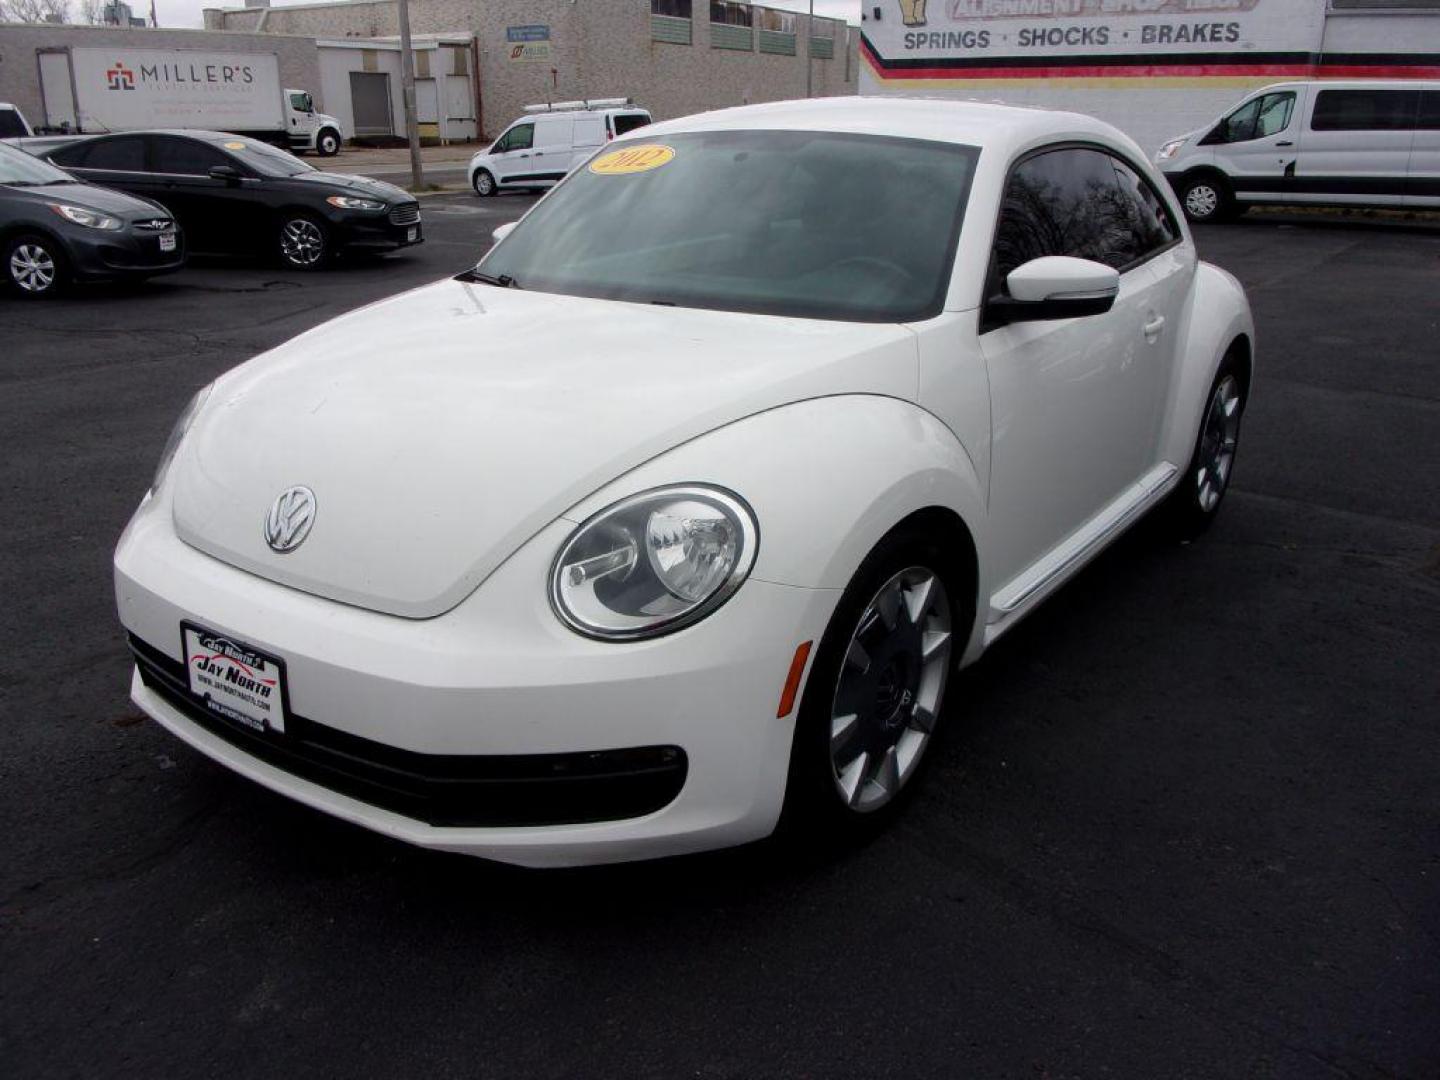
{"type": "Point", "coordinates": [193, 133]}
{"type": "Point", "coordinates": [969, 123]}
{"type": "Point", "coordinates": [1355, 84]}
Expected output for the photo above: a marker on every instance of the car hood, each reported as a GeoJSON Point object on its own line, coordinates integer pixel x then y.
{"type": "Point", "coordinates": [362, 184]}
{"type": "Point", "coordinates": [106, 200]}
{"type": "Point", "coordinates": [442, 428]}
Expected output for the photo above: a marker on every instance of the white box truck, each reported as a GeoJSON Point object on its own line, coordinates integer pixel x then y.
{"type": "Point", "coordinates": [91, 91]}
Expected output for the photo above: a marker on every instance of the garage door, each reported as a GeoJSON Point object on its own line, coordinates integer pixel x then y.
{"type": "Point", "coordinates": [370, 103]}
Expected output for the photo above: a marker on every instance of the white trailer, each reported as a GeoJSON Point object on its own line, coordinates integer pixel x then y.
{"type": "Point", "coordinates": [1153, 68]}
{"type": "Point", "coordinates": [90, 91]}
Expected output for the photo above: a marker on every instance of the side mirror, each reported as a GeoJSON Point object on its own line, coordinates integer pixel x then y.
{"type": "Point", "coordinates": [503, 231]}
{"type": "Point", "coordinates": [1054, 287]}
{"type": "Point", "coordinates": [228, 173]}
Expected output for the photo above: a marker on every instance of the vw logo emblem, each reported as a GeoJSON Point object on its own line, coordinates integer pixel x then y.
{"type": "Point", "coordinates": [289, 520]}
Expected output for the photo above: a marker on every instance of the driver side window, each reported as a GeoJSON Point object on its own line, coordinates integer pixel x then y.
{"type": "Point", "coordinates": [1267, 115]}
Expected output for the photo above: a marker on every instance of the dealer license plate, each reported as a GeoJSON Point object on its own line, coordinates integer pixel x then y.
{"type": "Point", "coordinates": [413, 233]}
{"type": "Point", "coordinates": [234, 680]}
{"type": "Point", "coordinates": [167, 242]}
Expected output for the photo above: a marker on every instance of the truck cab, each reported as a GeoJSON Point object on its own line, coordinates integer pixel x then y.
{"type": "Point", "coordinates": [308, 129]}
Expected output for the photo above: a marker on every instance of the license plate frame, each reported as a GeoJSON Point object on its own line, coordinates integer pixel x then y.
{"type": "Point", "coordinates": [168, 242]}
{"type": "Point", "coordinates": [235, 680]}
{"type": "Point", "coordinates": [412, 234]}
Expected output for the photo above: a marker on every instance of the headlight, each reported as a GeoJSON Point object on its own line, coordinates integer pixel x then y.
{"type": "Point", "coordinates": [177, 435]}
{"type": "Point", "coordinates": [654, 562]}
{"type": "Point", "coordinates": [350, 202]}
{"type": "Point", "coordinates": [1170, 149]}
{"type": "Point", "coordinates": [91, 219]}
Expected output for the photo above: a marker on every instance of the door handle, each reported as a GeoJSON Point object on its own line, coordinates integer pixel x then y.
{"type": "Point", "coordinates": [1152, 328]}
{"type": "Point", "coordinates": [524, 155]}
{"type": "Point", "coordinates": [1287, 142]}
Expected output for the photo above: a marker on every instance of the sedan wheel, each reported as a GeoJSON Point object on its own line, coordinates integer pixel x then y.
{"type": "Point", "coordinates": [1192, 506]}
{"type": "Point", "coordinates": [33, 267]}
{"type": "Point", "coordinates": [302, 243]}
{"type": "Point", "coordinates": [890, 687]}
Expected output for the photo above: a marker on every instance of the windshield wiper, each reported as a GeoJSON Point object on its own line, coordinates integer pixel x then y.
{"type": "Point", "coordinates": [503, 281]}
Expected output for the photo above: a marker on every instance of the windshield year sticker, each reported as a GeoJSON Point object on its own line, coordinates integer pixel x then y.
{"type": "Point", "coordinates": [632, 159]}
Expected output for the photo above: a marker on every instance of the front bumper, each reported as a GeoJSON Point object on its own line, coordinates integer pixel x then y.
{"type": "Point", "coordinates": [648, 748]}
{"type": "Point", "coordinates": [98, 254]}
{"type": "Point", "coordinates": [393, 228]}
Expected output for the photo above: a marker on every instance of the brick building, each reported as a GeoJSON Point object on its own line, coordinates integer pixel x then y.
{"type": "Point", "coordinates": [672, 56]}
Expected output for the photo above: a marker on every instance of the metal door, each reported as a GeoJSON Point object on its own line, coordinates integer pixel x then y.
{"type": "Point", "coordinates": [370, 103]}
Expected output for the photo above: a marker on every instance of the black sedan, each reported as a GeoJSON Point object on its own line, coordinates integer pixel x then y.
{"type": "Point", "coordinates": [236, 195]}
{"type": "Point", "coordinates": [54, 229]}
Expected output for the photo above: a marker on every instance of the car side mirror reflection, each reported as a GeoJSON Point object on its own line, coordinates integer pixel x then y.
{"type": "Point", "coordinates": [1054, 287]}
{"type": "Point", "coordinates": [502, 231]}
{"type": "Point", "coordinates": [228, 173]}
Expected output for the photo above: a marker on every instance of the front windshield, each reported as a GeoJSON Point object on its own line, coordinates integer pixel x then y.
{"type": "Point", "coordinates": [18, 167]}
{"type": "Point", "coordinates": [811, 224]}
{"type": "Point", "coordinates": [265, 159]}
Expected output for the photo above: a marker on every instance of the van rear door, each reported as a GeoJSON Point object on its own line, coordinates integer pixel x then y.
{"type": "Point", "coordinates": [1355, 146]}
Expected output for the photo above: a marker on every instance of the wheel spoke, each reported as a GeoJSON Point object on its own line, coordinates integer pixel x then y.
{"type": "Point", "coordinates": [917, 600]}
{"type": "Point", "coordinates": [932, 641]}
{"type": "Point", "coordinates": [922, 719]}
{"type": "Point", "coordinates": [888, 774]}
{"type": "Point", "coordinates": [889, 604]}
{"type": "Point", "coordinates": [852, 780]}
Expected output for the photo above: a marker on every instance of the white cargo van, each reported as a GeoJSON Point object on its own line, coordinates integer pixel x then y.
{"type": "Point", "coordinates": [1334, 142]}
{"type": "Point", "coordinates": [540, 148]}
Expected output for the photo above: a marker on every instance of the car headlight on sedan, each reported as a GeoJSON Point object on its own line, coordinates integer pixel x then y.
{"type": "Point", "coordinates": [177, 434]}
{"type": "Point", "coordinates": [1170, 149]}
{"type": "Point", "coordinates": [654, 562]}
{"type": "Point", "coordinates": [353, 202]}
{"type": "Point", "coordinates": [91, 219]}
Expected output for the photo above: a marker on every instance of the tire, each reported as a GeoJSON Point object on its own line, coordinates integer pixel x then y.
{"type": "Point", "coordinates": [849, 777]}
{"type": "Point", "coordinates": [1207, 197]}
{"type": "Point", "coordinates": [302, 243]}
{"type": "Point", "coordinates": [34, 266]}
{"type": "Point", "coordinates": [327, 143]}
{"type": "Point", "coordinates": [483, 183]}
{"type": "Point", "coordinates": [1191, 508]}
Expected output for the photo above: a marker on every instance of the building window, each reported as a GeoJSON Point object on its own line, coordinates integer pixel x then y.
{"type": "Point", "coordinates": [730, 26]}
{"type": "Point", "coordinates": [670, 21]}
{"type": "Point", "coordinates": [822, 39]}
{"type": "Point", "coordinates": [777, 31]}
{"type": "Point", "coordinates": [729, 13]}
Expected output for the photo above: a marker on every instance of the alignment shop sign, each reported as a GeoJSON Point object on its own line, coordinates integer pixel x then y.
{"type": "Point", "coordinates": [944, 40]}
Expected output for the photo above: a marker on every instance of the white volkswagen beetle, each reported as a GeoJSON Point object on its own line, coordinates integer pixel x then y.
{"type": "Point", "coordinates": [680, 509]}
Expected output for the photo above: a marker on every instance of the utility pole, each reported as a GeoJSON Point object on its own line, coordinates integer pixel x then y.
{"type": "Point", "coordinates": [407, 81]}
{"type": "Point", "coordinates": [809, 60]}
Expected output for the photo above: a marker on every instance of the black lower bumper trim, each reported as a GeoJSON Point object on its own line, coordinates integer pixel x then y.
{"type": "Point", "coordinates": [441, 789]}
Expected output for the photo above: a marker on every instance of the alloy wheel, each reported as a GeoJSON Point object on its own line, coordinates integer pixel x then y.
{"type": "Point", "coordinates": [1202, 200]}
{"type": "Point", "coordinates": [891, 684]}
{"type": "Point", "coordinates": [301, 242]}
{"type": "Point", "coordinates": [32, 268]}
{"type": "Point", "coordinates": [1218, 439]}
{"type": "Point", "coordinates": [484, 183]}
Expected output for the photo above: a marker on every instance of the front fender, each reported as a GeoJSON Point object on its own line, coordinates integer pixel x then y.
{"type": "Point", "coordinates": [1217, 315]}
{"type": "Point", "coordinates": [827, 478]}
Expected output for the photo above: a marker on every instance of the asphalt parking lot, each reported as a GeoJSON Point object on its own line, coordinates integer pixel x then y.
{"type": "Point", "coordinates": [1184, 822]}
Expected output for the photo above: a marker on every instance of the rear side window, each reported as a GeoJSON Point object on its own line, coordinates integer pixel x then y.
{"type": "Point", "coordinates": [1072, 202]}
{"type": "Point", "coordinates": [1151, 226]}
{"type": "Point", "coordinates": [185, 157]}
{"type": "Point", "coordinates": [10, 125]}
{"type": "Point", "coordinates": [556, 132]}
{"type": "Point", "coordinates": [629, 122]}
{"type": "Point", "coordinates": [1365, 110]}
{"type": "Point", "coordinates": [122, 155]}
